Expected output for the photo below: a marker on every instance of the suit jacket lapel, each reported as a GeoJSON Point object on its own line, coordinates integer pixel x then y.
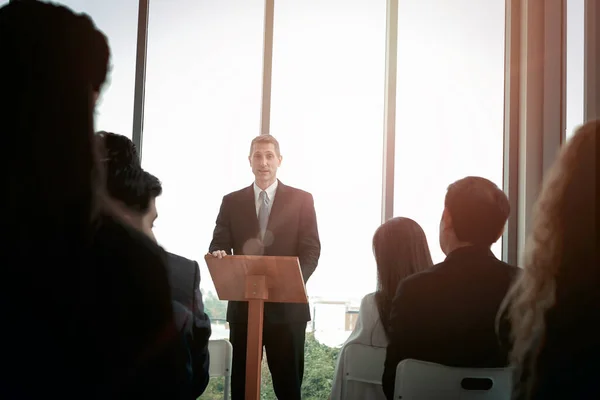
{"type": "Point", "coordinates": [249, 209]}
{"type": "Point", "coordinates": [277, 207]}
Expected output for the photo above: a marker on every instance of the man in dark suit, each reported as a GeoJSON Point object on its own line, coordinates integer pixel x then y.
{"type": "Point", "coordinates": [134, 192]}
{"type": "Point", "coordinates": [269, 218]}
{"type": "Point", "coordinates": [447, 314]}
{"type": "Point", "coordinates": [191, 319]}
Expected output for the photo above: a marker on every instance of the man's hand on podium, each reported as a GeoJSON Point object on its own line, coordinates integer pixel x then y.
{"type": "Point", "coordinates": [219, 253]}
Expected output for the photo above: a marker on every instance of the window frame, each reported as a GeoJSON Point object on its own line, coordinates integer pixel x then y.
{"type": "Point", "coordinates": [534, 106]}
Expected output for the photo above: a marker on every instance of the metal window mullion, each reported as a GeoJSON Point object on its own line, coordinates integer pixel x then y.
{"type": "Point", "coordinates": [512, 56]}
{"type": "Point", "coordinates": [591, 60]}
{"type": "Point", "coordinates": [542, 101]}
{"type": "Point", "coordinates": [140, 75]}
{"type": "Point", "coordinates": [389, 113]}
{"type": "Point", "coordinates": [265, 115]}
{"type": "Point", "coordinates": [554, 85]}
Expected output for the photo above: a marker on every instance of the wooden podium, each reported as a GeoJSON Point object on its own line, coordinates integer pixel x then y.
{"type": "Point", "coordinates": [256, 279]}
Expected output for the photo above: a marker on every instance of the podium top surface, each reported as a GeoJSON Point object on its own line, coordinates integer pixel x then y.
{"type": "Point", "coordinates": [283, 275]}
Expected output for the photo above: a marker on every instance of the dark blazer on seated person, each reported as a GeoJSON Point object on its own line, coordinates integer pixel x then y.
{"type": "Point", "coordinates": [125, 345]}
{"type": "Point", "coordinates": [190, 318]}
{"type": "Point", "coordinates": [446, 314]}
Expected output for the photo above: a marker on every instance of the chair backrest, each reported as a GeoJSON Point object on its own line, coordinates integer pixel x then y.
{"type": "Point", "coordinates": [364, 363]}
{"type": "Point", "coordinates": [420, 380]}
{"type": "Point", "coordinates": [363, 368]}
{"type": "Point", "coordinates": [221, 353]}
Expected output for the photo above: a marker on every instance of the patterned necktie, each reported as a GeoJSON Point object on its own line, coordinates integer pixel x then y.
{"type": "Point", "coordinates": [263, 213]}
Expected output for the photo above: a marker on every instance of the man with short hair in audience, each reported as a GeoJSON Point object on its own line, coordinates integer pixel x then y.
{"type": "Point", "coordinates": [135, 192]}
{"type": "Point", "coordinates": [446, 314]}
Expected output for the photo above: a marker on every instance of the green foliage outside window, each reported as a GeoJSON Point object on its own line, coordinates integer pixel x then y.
{"type": "Point", "coordinates": [319, 365]}
{"type": "Point", "coordinates": [216, 309]}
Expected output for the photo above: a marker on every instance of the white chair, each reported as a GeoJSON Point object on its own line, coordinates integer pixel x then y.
{"type": "Point", "coordinates": [363, 368]}
{"type": "Point", "coordinates": [221, 355]}
{"type": "Point", "coordinates": [420, 380]}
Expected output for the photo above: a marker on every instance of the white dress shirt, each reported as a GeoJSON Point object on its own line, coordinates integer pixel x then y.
{"type": "Point", "coordinates": [270, 194]}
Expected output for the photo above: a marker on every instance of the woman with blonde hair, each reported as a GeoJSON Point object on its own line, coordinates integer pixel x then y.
{"type": "Point", "coordinates": [554, 307]}
{"type": "Point", "coordinates": [401, 250]}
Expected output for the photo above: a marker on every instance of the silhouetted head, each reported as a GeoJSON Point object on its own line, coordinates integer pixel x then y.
{"type": "Point", "coordinates": [119, 150]}
{"type": "Point", "coordinates": [53, 61]}
{"type": "Point", "coordinates": [133, 189]}
{"type": "Point", "coordinates": [475, 213]}
{"type": "Point", "coordinates": [400, 248]}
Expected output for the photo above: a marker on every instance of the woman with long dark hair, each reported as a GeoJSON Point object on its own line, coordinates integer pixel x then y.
{"type": "Point", "coordinates": [85, 303]}
{"type": "Point", "coordinates": [401, 250]}
{"type": "Point", "coordinates": [554, 306]}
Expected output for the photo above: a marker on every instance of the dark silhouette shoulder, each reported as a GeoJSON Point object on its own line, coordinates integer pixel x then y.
{"type": "Point", "coordinates": [132, 315]}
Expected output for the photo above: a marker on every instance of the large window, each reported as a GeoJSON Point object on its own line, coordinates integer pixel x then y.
{"type": "Point", "coordinates": [203, 94]}
{"type": "Point", "coordinates": [118, 20]}
{"type": "Point", "coordinates": [450, 93]}
{"type": "Point", "coordinates": [575, 60]}
{"type": "Point", "coordinates": [327, 112]}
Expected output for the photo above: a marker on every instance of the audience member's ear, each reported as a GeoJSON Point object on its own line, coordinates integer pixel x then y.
{"type": "Point", "coordinates": [446, 232]}
{"type": "Point", "coordinates": [446, 220]}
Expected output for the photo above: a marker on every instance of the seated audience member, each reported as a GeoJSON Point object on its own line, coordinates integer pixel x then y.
{"type": "Point", "coordinates": [135, 192]}
{"type": "Point", "coordinates": [400, 249]}
{"type": "Point", "coordinates": [119, 149]}
{"type": "Point", "coordinates": [554, 306]}
{"type": "Point", "coordinates": [85, 306]}
{"type": "Point", "coordinates": [446, 315]}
